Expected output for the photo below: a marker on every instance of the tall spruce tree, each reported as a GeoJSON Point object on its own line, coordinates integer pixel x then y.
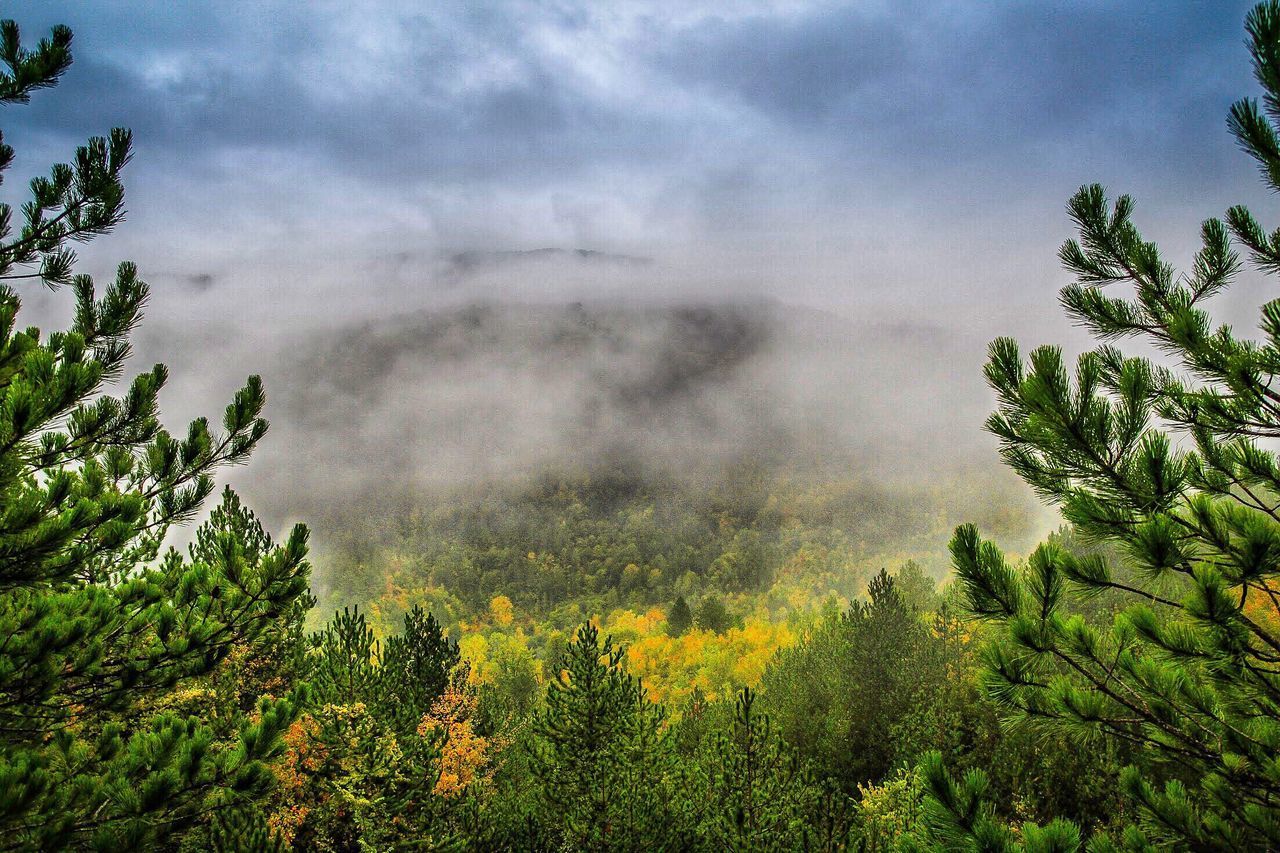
{"type": "Point", "coordinates": [1172, 460]}
{"type": "Point", "coordinates": [97, 625]}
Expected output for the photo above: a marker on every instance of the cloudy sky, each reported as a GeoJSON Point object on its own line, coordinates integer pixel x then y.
{"type": "Point", "coordinates": [861, 153]}
{"type": "Point", "coordinates": [298, 165]}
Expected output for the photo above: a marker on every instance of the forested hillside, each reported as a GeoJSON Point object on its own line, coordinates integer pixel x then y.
{"type": "Point", "coordinates": [684, 609]}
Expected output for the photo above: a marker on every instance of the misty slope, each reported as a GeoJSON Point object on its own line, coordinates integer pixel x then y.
{"type": "Point", "coordinates": [436, 399]}
{"type": "Point", "coordinates": [480, 414]}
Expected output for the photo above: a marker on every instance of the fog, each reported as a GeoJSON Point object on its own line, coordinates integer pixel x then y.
{"type": "Point", "coordinates": [466, 246]}
{"type": "Point", "coordinates": [590, 361]}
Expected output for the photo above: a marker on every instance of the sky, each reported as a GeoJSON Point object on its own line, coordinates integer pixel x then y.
{"type": "Point", "coordinates": [299, 167]}
{"type": "Point", "coordinates": [912, 155]}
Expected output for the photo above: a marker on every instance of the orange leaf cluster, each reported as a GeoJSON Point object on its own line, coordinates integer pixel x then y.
{"type": "Point", "coordinates": [464, 753]}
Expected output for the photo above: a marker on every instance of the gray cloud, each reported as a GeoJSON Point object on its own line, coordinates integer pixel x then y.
{"type": "Point", "coordinates": [323, 191]}
{"type": "Point", "coordinates": [803, 70]}
{"type": "Point", "coordinates": [456, 97]}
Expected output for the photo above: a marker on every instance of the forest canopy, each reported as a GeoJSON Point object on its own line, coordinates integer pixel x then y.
{"type": "Point", "coordinates": [739, 655]}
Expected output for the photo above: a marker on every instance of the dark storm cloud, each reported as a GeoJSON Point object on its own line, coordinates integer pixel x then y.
{"type": "Point", "coordinates": [932, 87]}
{"type": "Point", "coordinates": [431, 111]}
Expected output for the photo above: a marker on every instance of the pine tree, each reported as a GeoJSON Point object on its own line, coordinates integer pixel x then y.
{"type": "Point", "coordinates": [680, 619]}
{"type": "Point", "coordinates": [1171, 461]}
{"type": "Point", "coordinates": [837, 695]}
{"type": "Point", "coordinates": [344, 668]}
{"type": "Point", "coordinates": [275, 660]}
{"type": "Point", "coordinates": [916, 588]}
{"type": "Point", "coordinates": [414, 667]}
{"type": "Point", "coordinates": [98, 626]}
{"type": "Point", "coordinates": [398, 679]}
{"type": "Point", "coordinates": [373, 785]}
{"type": "Point", "coordinates": [602, 760]}
{"type": "Point", "coordinates": [760, 792]}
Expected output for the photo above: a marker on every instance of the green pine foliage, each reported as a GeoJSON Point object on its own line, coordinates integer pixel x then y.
{"type": "Point", "coordinates": [415, 667]}
{"type": "Point", "coordinates": [244, 831]}
{"type": "Point", "coordinates": [78, 200]}
{"type": "Point", "coordinates": [602, 758]}
{"type": "Point", "coordinates": [837, 695]}
{"type": "Point", "coordinates": [1170, 460]}
{"type": "Point", "coordinates": [761, 795]}
{"type": "Point", "coordinates": [99, 626]}
{"type": "Point", "coordinates": [272, 661]}
{"type": "Point", "coordinates": [376, 766]}
{"type": "Point", "coordinates": [959, 816]}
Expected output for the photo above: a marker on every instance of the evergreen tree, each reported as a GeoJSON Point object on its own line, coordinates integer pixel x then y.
{"type": "Point", "coordinates": [344, 667]}
{"type": "Point", "coordinates": [838, 694]}
{"type": "Point", "coordinates": [415, 666]}
{"type": "Point", "coordinates": [601, 758]}
{"type": "Point", "coordinates": [680, 619]}
{"type": "Point", "coordinates": [275, 660]}
{"type": "Point", "coordinates": [1172, 462]}
{"type": "Point", "coordinates": [373, 783]}
{"type": "Point", "coordinates": [713, 615]}
{"type": "Point", "coordinates": [99, 627]}
{"type": "Point", "coordinates": [917, 589]}
{"type": "Point", "coordinates": [760, 794]}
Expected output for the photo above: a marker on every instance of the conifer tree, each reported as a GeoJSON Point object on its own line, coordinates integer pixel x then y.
{"type": "Point", "coordinates": [275, 660]}
{"type": "Point", "coordinates": [344, 668]}
{"type": "Point", "coordinates": [415, 669]}
{"type": "Point", "coordinates": [837, 695]}
{"type": "Point", "coordinates": [603, 762]}
{"type": "Point", "coordinates": [760, 792]}
{"type": "Point", "coordinates": [373, 785]}
{"type": "Point", "coordinates": [98, 626]}
{"type": "Point", "coordinates": [713, 615]}
{"type": "Point", "coordinates": [1171, 460]}
{"type": "Point", "coordinates": [680, 619]}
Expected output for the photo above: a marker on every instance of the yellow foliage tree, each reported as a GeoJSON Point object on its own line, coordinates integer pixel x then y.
{"type": "Point", "coordinates": [464, 753]}
{"type": "Point", "coordinates": [501, 610]}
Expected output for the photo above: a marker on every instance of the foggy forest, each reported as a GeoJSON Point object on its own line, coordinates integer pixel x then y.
{"type": "Point", "coordinates": [640, 426]}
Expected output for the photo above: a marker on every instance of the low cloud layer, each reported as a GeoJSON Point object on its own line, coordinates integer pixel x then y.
{"type": "Point", "coordinates": [792, 228]}
{"type": "Point", "coordinates": [371, 412]}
